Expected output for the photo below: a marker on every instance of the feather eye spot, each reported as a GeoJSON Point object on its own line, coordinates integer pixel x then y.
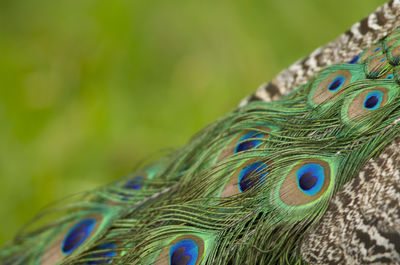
{"type": "Point", "coordinates": [184, 252]}
{"type": "Point", "coordinates": [354, 60]}
{"type": "Point", "coordinates": [248, 176]}
{"type": "Point", "coordinates": [371, 51]}
{"type": "Point", "coordinates": [252, 175]}
{"type": "Point", "coordinates": [134, 184]}
{"type": "Point", "coordinates": [310, 178]}
{"type": "Point", "coordinates": [378, 49]}
{"type": "Point", "coordinates": [245, 144]}
{"type": "Point", "coordinates": [104, 256]}
{"type": "Point", "coordinates": [336, 83]}
{"type": "Point", "coordinates": [246, 140]}
{"type": "Point", "coordinates": [364, 102]}
{"type": "Point", "coordinates": [305, 182]}
{"type": "Point", "coordinates": [77, 235]}
{"type": "Point", "coordinates": [327, 88]}
{"type": "Point", "coordinates": [72, 238]}
{"type": "Point", "coordinates": [390, 76]}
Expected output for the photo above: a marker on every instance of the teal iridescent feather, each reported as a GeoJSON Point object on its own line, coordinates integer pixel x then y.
{"type": "Point", "coordinates": [244, 190]}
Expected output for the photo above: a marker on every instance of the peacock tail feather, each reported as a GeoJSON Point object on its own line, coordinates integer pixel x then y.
{"type": "Point", "coordinates": [252, 187]}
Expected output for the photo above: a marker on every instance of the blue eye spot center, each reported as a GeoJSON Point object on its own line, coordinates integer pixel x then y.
{"type": "Point", "coordinates": [252, 175]}
{"type": "Point", "coordinates": [179, 257]}
{"type": "Point", "coordinates": [109, 252]}
{"type": "Point", "coordinates": [307, 181]}
{"type": "Point", "coordinates": [336, 83]}
{"type": "Point", "coordinates": [310, 178]}
{"type": "Point", "coordinates": [134, 184]}
{"type": "Point", "coordinates": [354, 59]}
{"type": "Point", "coordinates": [390, 76]}
{"type": "Point", "coordinates": [245, 144]}
{"type": "Point", "coordinates": [373, 100]}
{"type": "Point", "coordinates": [377, 49]}
{"type": "Point", "coordinates": [184, 252]}
{"type": "Point", "coordinates": [77, 235]}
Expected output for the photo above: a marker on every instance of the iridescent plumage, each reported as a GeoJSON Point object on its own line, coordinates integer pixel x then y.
{"type": "Point", "coordinates": [273, 182]}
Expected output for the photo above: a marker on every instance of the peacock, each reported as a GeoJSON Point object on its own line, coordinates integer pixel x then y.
{"type": "Point", "coordinates": [303, 171]}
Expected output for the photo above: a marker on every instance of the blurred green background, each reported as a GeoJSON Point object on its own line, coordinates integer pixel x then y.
{"type": "Point", "coordinates": [90, 87]}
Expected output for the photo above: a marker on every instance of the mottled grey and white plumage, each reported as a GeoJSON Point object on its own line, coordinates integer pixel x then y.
{"type": "Point", "coordinates": [362, 223]}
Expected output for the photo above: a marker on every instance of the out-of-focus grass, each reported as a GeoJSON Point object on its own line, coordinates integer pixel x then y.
{"type": "Point", "coordinates": [90, 87]}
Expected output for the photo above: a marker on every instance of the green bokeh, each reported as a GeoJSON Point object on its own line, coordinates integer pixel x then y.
{"type": "Point", "coordinates": [88, 88]}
